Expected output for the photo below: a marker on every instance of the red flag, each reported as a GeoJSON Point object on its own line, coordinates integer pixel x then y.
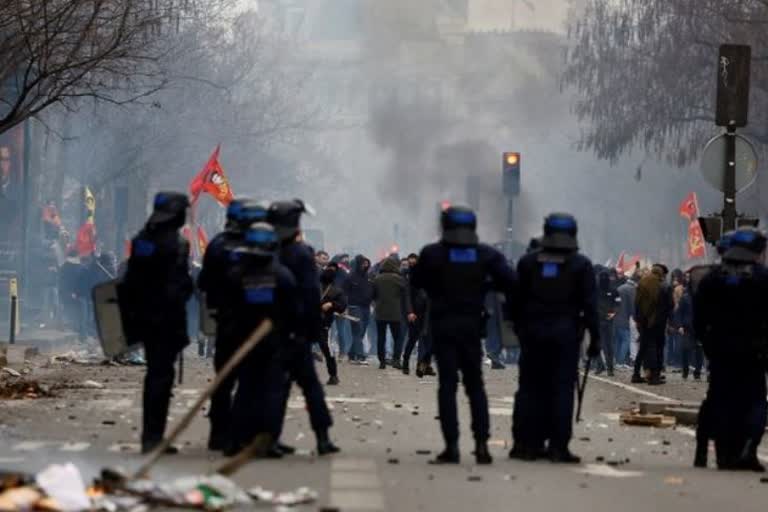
{"type": "Point", "coordinates": [620, 263]}
{"type": "Point", "coordinates": [696, 248]}
{"type": "Point", "coordinates": [202, 240]}
{"type": "Point", "coordinates": [212, 180]}
{"type": "Point", "coordinates": [86, 239]}
{"type": "Point", "coordinates": [689, 208]}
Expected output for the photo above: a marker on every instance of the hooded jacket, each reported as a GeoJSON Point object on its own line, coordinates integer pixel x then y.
{"type": "Point", "coordinates": [358, 287]}
{"type": "Point", "coordinates": [390, 293]}
{"type": "Point", "coordinates": [653, 301]}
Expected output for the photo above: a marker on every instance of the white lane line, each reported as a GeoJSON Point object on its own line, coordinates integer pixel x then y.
{"type": "Point", "coordinates": [500, 411]}
{"type": "Point", "coordinates": [607, 471]}
{"type": "Point", "coordinates": [30, 446]}
{"type": "Point", "coordinates": [683, 430]}
{"type": "Point", "coordinates": [74, 447]}
{"type": "Point", "coordinates": [355, 485]}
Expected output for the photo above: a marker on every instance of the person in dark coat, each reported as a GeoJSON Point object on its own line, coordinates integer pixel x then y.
{"type": "Point", "coordinates": [391, 300]}
{"type": "Point", "coordinates": [558, 302]}
{"type": "Point", "coordinates": [332, 302]}
{"type": "Point", "coordinates": [681, 326]}
{"type": "Point", "coordinates": [155, 290]}
{"type": "Point", "coordinates": [358, 289]}
{"type": "Point", "coordinates": [729, 318]}
{"type": "Point", "coordinates": [456, 273]}
{"type": "Point", "coordinates": [299, 258]}
{"type": "Point", "coordinates": [256, 287]}
{"type": "Point", "coordinates": [608, 303]}
{"type": "Point", "coordinates": [418, 329]}
{"type": "Point", "coordinates": [68, 286]}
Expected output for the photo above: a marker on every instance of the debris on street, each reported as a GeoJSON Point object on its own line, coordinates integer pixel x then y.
{"type": "Point", "coordinates": [635, 418]}
{"type": "Point", "coordinates": [22, 389]}
{"type": "Point", "coordinates": [301, 496]}
{"type": "Point", "coordinates": [84, 357]}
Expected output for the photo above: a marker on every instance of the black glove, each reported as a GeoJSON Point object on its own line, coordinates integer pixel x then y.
{"type": "Point", "coordinates": [593, 350]}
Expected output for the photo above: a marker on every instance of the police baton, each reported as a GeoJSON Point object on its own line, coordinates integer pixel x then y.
{"type": "Point", "coordinates": [581, 389]}
{"type": "Point", "coordinates": [256, 337]}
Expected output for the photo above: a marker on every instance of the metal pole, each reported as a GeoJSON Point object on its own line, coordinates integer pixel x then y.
{"type": "Point", "coordinates": [14, 306]}
{"type": "Point", "coordinates": [729, 204]}
{"type": "Point", "coordinates": [509, 227]}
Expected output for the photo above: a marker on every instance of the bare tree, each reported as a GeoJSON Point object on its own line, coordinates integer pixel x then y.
{"type": "Point", "coordinates": [644, 72]}
{"type": "Point", "coordinates": [56, 52]}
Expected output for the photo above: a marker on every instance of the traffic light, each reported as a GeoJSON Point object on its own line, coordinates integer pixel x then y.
{"type": "Point", "coordinates": [511, 173]}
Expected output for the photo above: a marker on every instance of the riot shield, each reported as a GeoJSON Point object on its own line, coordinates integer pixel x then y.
{"type": "Point", "coordinates": [503, 322]}
{"type": "Point", "coordinates": [207, 318]}
{"type": "Point", "coordinates": [109, 320]}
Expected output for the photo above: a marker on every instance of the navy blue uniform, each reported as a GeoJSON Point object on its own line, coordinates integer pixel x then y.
{"type": "Point", "coordinates": [455, 280]}
{"type": "Point", "coordinates": [730, 320]}
{"type": "Point", "coordinates": [213, 282]}
{"type": "Point", "coordinates": [299, 259]}
{"type": "Point", "coordinates": [257, 289]}
{"type": "Point", "coordinates": [156, 288]}
{"type": "Point", "coordinates": [557, 302]}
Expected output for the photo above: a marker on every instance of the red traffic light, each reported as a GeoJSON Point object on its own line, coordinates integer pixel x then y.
{"type": "Point", "coordinates": [511, 159]}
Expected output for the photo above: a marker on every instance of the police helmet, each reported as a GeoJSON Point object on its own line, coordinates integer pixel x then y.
{"type": "Point", "coordinates": [252, 212]}
{"type": "Point", "coordinates": [234, 208]}
{"type": "Point", "coordinates": [459, 224]}
{"type": "Point", "coordinates": [260, 239]}
{"type": "Point", "coordinates": [285, 216]}
{"type": "Point", "coordinates": [560, 231]}
{"type": "Point", "coordinates": [724, 243]}
{"type": "Point", "coordinates": [169, 206]}
{"type": "Point", "coordinates": [746, 246]}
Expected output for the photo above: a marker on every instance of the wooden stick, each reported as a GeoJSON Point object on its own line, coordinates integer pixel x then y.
{"type": "Point", "coordinates": [261, 332]}
{"type": "Point", "coordinates": [259, 445]}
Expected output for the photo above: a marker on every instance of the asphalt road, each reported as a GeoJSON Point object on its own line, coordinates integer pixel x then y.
{"type": "Point", "coordinates": [385, 424]}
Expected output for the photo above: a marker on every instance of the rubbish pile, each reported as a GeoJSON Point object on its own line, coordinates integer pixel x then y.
{"type": "Point", "coordinates": [61, 488]}
{"type": "Point", "coordinates": [16, 387]}
{"type": "Point", "coordinates": [83, 357]}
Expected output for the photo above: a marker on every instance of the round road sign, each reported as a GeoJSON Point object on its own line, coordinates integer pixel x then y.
{"type": "Point", "coordinates": [713, 162]}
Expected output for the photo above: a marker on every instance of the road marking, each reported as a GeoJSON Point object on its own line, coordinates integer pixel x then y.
{"type": "Point", "coordinates": [74, 447]}
{"type": "Point", "coordinates": [350, 400]}
{"type": "Point", "coordinates": [500, 411]}
{"type": "Point", "coordinates": [607, 471]}
{"type": "Point", "coordinates": [355, 485]}
{"type": "Point", "coordinates": [30, 446]}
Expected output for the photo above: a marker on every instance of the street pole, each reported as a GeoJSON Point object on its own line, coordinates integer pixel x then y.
{"type": "Point", "coordinates": [729, 185]}
{"type": "Point", "coordinates": [509, 228]}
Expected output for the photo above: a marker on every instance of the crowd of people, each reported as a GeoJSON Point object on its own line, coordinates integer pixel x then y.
{"type": "Point", "coordinates": [259, 269]}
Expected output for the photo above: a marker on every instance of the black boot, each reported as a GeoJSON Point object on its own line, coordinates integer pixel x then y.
{"type": "Point", "coordinates": [420, 370]}
{"type": "Point", "coordinates": [448, 456]}
{"type": "Point", "coordinates": [702, 453]}
{"type": "Point", "coordinates": [523, 452]}
{"type": "Point", "coordinates": [563, 456]}
{"type": "Point", "coordinates": [333, 381]}
{"type": "Point", "coordinates": [748, 460]}
{"type": "Point", "coordinates": [286, 449]}
{"type": "Point", "coordinates": [324, 444]}
{"type": "Point", "coordinates": [406, 368]}
{"type": "Point", "coordinates": [482, 455]}
{"type": "Point", "coordinates": [637, 379]}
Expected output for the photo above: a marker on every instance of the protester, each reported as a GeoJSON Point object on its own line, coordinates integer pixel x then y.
{"type": "Point", "coordinates": [391, 299]}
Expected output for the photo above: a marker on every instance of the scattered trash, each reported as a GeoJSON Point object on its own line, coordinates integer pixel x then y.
{"type": "Point", "coordinates": [84, 357]}
{"type": "Point", "coordinates": [415, 413]}
{"type": "Point", "coordinates": [393, 461]}
{"type": "Point", "coordinates": [423, 452]}
{"type": "Point", "coordinates": [108, 422]}
{"type": "Point", "coordinates": [585, 439]}
{"type": "Point", "coordinates": [301, 496]}
{"type": "Point", "coordinates": [20, 498]}
{"type": "Point", "coordinates": [666, 443]}
{"type": "Point", "coordinates": [11, 371]}
{"type": "Point", "coordinates": [647, 420]}
{"type": "Point", "coordinates": [92, 384]}
{"type": "Point", "coordinates": [64, 485]}
{"type": "Point", "coordinates": [23, 389]}
{"type": "Point", "coordinates": [674, 480]}
{"type": "Point", "coordinates": [475, 478]}
{"type": "Point", "coordinates": [213, 492]}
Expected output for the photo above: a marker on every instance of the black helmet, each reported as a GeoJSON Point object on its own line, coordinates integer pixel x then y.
{"type": "Point", "coordinates": [260, 239]}
{"type": "Point", "coordinates": [252, 212]}
{"type": "Point", "coordinates": [234, 208]}
{"type": "Point", "coordinates": [746, 246]}
{"type": "Point", "coordinates": [560, 231]}
{"type": "Point", "coordinates": [724, 243]}
{"type": "Point", "coordinates": [169, 206]}
{"type": "Point", "coordinates": [285, 217]}
{"type": "Point", "coordinates": [459, 224]}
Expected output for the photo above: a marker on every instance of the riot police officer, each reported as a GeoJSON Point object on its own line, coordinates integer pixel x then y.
{"type": "Point", "coordinates": [155, 291]}
{"type": "Point", "coordinates": [257, 287]}
{"type": "Point", "coordinates": [213, 283]}
{"type": "Point", "coordinates": [454, 273]}
{"type": "Point", "coordinates": [730, 321]}
{"type": "Point", "coordinates": [557, 302]}
{"type": "Point", "coordinates": [300, 365]}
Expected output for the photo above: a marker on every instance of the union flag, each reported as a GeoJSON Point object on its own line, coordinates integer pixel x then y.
{"type": "Point", "coordinates": [696, 247]}
{"type": "Point", "coordinates": [85, 243]}
{"type": "Point", "coordinates": [212, 180]}
{"type": "Point", "coordinates": [689, 208]}
{"type": "Point", "coordinates": [202, 241]}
